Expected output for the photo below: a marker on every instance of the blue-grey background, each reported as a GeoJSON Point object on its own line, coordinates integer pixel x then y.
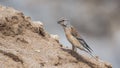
{"type": "Point", "coordinates": [98, 21]}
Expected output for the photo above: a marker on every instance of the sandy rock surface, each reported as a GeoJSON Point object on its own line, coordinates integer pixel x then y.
{"type": "Point", "coordinates": [25, 44]}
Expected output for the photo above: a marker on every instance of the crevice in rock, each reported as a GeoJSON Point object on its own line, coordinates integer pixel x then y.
{"type": "Point", "coordinates": [12, 56]}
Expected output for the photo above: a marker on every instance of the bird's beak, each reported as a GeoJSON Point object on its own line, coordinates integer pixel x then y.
{"type": "Point", "coordinates": [59, 22]}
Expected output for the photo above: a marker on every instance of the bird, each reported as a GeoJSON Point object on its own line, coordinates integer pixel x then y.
{"type": "Point", "coordinates": [74, 37]}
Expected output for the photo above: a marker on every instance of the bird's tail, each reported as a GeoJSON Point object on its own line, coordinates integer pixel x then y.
{"type": "Point", "coordinates": [90, 53]}
{"type": "Point", "coordinates": [85, 45]}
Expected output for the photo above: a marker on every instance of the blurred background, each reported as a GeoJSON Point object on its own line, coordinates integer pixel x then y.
{"type": "Point", "coordinates": [98, 21]}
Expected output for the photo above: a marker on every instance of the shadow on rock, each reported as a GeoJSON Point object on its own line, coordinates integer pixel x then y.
{"type": "Point", "coordinates": [79, 57]}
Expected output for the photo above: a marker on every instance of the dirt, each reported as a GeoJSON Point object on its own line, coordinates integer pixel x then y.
{"type": "Point", "coordinates": [25, 44]}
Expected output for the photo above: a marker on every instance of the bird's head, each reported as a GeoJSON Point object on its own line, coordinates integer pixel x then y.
{"type": "Point", "coordinates": [63, 22]}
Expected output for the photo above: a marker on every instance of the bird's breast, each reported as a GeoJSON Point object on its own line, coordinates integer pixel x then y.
{"type": "Point", "coordinates": [73, 40]}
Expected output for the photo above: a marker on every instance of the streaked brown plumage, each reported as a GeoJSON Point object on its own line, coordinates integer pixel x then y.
{"type": "Point", "coordinates": [74, 37]}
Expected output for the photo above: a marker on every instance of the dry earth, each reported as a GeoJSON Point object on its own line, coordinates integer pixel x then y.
{"type": "Point", "coordinates": [25, 44]}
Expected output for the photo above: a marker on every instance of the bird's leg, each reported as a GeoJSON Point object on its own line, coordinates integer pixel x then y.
{"type": "Point", "coordinates": [74, 48]}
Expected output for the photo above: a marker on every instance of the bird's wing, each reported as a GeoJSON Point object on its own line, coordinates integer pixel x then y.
{"type": "Point", "coordinates": [75, 33]}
